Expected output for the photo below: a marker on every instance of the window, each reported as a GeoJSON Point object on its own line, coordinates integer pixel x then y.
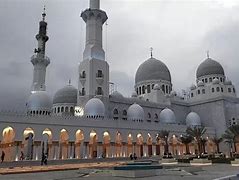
{"type": "Point", "coordinates": [234, 90]}
{"type": "Point", "coordinates": [218, 89]}
{"type": "Point", "coordinates": [221, 89]}
{"type": "Point", "coordinates": [163, 88]}
{"type": "Point", "coordinates": [139, 90]}
{"type": "Point", "coordinates": [99, 91]}
{"type": "Point", "coordinates": [198, 91]}
{"type": "Point", "coordinates": [156, 116]}
{"type": "Point", "coordinates": [143, 89]}
{"type": "Point", "coordinates": [203, 80]}
{"type": "Point", "coordinates": [124, 115]}
{"type": "Point", "coordinates": [72, 110]}
{"type": "Point", "coordinates": [206, 80]}
{"type": "Point", "coordinates": [229, 90]}
{"type": "Point", "coordinates": [83, 75]}
{"type": "Point", "coordinates": [166, 89]}
{"type": "Point", "coordinates": [58, 109]}
{"type": "Point", "coordinates": [152, 86]}
{"type": "Point", "coordinates": [210, 79]}
{"type": "Point", "coordinates": [203, 91]}
{"type": "Point", "coordinates": [83, 91]}
{"type": "Point", "coordinates": [191, 94]}
{"type": "Point", "coordinates": [148, 89]}
{"type": "Point", "coordinates": [99, 74]}
{"type": "Point", "coordinates": [221, 79]}
{"type": "Point", "coordinates": [62, 109]}
{"type": "Point", "coordinates": [67, 109]}
{"type": "Point", "coordinates": [115, 114]}
{"type": "Point", "coordinates": [213, 90]}
{"type": "Point", "coordinates": [149, 115]}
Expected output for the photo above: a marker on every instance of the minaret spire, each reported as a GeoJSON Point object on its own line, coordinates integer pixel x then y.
{"type": "Point", "coordinates": [151, 52]}
{"type": "Point", "coordinates": [208, 54]}
{"type": "Point", "coordinates": [39, 60]}
{"type": "Point", "coordinates": [95, 4]}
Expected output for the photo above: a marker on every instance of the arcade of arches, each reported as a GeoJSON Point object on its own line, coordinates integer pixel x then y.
{"type": "Point", "coordinates": [112, 145]}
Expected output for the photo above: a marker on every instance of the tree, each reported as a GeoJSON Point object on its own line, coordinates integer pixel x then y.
{"type": "Point", "coordinates": [230, 136]}
{"type": "Point", "coordinates": [186, 140]}
{"type": "Point", "coordinates": [163, 135]}
{"type": "Point", "coordinates": [217, 141]}
{"type": "Point", "coordinates": [197, 133]}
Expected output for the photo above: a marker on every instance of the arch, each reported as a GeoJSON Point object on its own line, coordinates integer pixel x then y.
{"type": "Point", "coordinates": [28, 142]}
{"type": "Point", "coordinates": [79, 135]}
{"type": "Point", "coordinates": [115, 114]}
{"type": "Point", "coordinates": [67, 109]}
{"type": "Point", "coordinates": [129, 144]}
{"type": "Point", "coordinates": [124, 114]}
{"type": "Point", "coordinates": [106, 144]}
{"type": "Point", "coordinates": [64, 138]}
{"type": "Point", "coordinates": [46, 144]}
{"type": "Point", "coordinates": [150, 145]}
{"type": "Point", "coordinates": [7, 144]}
{"type": "Point", "coordinates": [139, 143]}
{"type": "Point", "coordinates": [93, 144]}
{"type": "Point", "coordinates": [118, 144]}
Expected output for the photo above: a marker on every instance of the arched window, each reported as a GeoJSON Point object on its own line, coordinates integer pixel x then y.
{"type": "Point", "coordinates": [229, 90]}
{"type": "Point", "coordinates": [163, 88]}
{"type": "Point", "coordinates": [198, 91]}
{"type": "Point", "coordinates": [71, 110]}
{"type": "Point", "coordinates": [166, 89]}
{"type": "Point", "coordinates": [148, 89]}
{"type": "Point", "coordinates": [140, 91]}
{"type": "Point", "coordinates": [66, 109]}
{"type": "Point", "coordinates": [83, 75]}
{"type": "Point", "coordinates": [99, 74]}
{"type": "Point", "coordinates": [210, 79]}
{"type": "Point", "coordinates": [62, 109]}
{"type": "Point", "coordinates": [191, 94]}
{"type": "Point", "coordinates": [124, 115]}
{"type": "Point", "coordinates": [83, 91]}
{"type": "Point", "coordinates": [221, 89]}
{"type": "Point", "coordinates": [203, 91]}
{"type": "Point", "coordinates": [99, 91]}
{"type": "Point", "coordinates": [115, 114]}
{"type": "Point", "coordinates": [143, 89]}
{"type": "Point", "coordinates": [156, 116]}
{"type": "Point", "coordinates": [218, 89]}
{"type": "Point", "coordinates": [213, 90]}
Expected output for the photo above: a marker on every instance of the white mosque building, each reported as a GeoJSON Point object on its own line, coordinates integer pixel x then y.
{"type": "Point", "coordinates": [87, 121]}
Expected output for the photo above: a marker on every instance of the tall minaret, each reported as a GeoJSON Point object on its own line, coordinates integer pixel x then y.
{"type": "Point", "coordinates": [94, 19]}
{"type": "Point", "coordinates": [93, 70]}
{"type": "Point", "coordinates": [39, 60]}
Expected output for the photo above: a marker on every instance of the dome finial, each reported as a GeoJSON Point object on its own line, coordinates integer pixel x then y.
{"type": "Point", "coordinates": [208, 54]}
{"type": "Point", "coordinates": [151, 52]}
{"type": "Point", "coordinates": [44, 13]}
{"type": "Point", "coordinates": [69, 81]}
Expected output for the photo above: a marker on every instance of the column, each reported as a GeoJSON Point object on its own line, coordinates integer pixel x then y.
{"type": "Point", "coordinates": [81, 150]}
{"type": "Point", "coordinates": [154, 149]}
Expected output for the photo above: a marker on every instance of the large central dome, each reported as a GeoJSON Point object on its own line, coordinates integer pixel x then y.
{"type": "Point", "coordinates": [209, 67]}
{"type": "Point", "coordinates": [152, 69]}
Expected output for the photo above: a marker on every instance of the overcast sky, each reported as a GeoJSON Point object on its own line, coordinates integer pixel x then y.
{"type": "Point", "coordinates": [180, 32]}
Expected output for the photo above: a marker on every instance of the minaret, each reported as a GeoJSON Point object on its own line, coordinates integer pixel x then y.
{"type": "Point", "coordinates": [39, 60]}
{"type": "Point", "coordinates": [93, 70]}
{"type": "Point", "coordinates": [94, 19]}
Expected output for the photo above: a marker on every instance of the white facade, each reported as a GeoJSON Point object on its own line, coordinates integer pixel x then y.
{"type": "Point", "coordinates": [87, 121]}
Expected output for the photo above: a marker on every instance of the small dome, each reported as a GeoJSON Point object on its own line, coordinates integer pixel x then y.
{"type": "Point", "coordinates": [209, 67]}
{"type": "Point", "coordinates": [95, 107]}
{"type": "Point", "coordinates": [156, 87]}
{"type": "Point", "coordinates": [117, 94]}
{"type": "Point", "coordinates": [39, 100]}
{"type": "Point", "coordinates": [134, 94]}
{"type": "Point", "coordinates": [135, 112]}
{"type": "Point", "coordinates": [200, 84]}
{"type": "Point", "coordinates": [152, 69]}
{"type": "Point", "coordinates": [193, 87]}
{"type": "Point", "coordinates": [167, 116]}
{"type": "Point", "coordinates": [193, 119]}
{"type": "Point", "coordinates": [67, 94]}
{"type": "Point", "coordinates": [228, 82]}
{"type": "Point", "coordinates": [215, 81]}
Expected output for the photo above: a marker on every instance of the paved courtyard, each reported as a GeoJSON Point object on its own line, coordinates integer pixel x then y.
{"type": "Point", "coordinates": [214, 171]}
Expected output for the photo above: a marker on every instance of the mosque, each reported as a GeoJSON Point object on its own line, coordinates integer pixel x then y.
{"type": "Point", "coordinates": [88, 121]}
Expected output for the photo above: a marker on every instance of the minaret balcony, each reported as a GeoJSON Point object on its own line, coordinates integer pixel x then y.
{"type": "Point", "coordinates": [36, 59]}
{"type": "Point", "coordinates": [82, 78]}
{"type": "Point", "coordinates": [97, 13]}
